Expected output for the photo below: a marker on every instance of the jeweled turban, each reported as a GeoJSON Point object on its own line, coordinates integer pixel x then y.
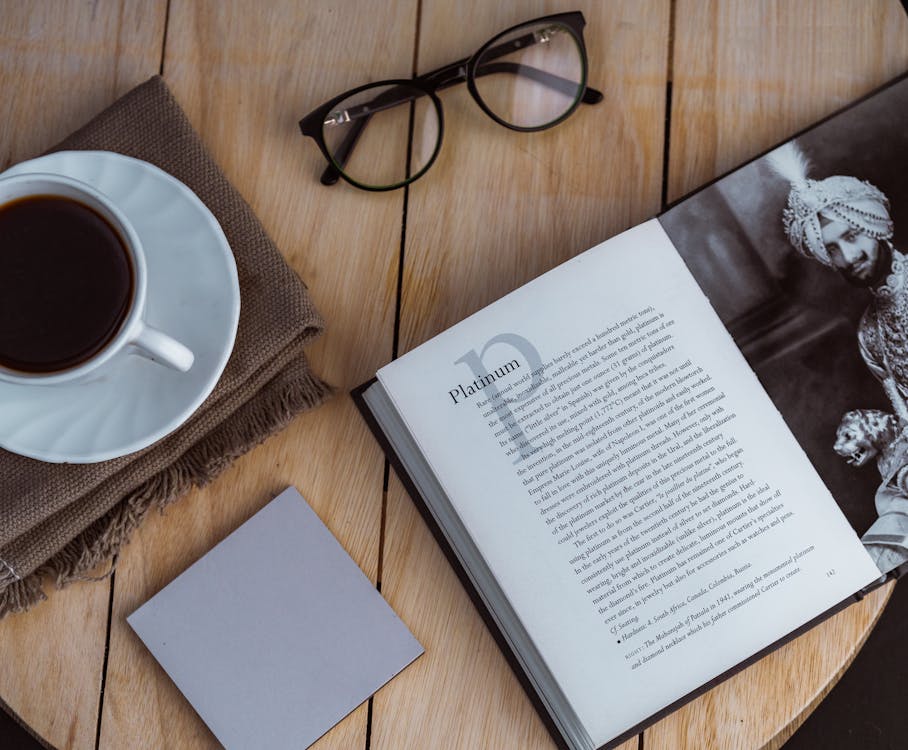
{"type": "Point", "coordinates": [856, 202]}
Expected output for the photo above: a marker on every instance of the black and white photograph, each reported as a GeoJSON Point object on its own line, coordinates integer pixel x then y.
{"type": "Point", "coordinates": [800, 254]}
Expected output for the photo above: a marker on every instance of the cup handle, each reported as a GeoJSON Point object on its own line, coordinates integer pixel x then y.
{"type": "Point", "coordinates": [159, 347]}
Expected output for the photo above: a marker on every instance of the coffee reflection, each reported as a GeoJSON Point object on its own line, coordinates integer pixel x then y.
{"type": "Point", "coordinates": [66, 283]}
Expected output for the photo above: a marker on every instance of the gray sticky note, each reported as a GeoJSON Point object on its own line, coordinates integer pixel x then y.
{"type": "Point", "coordinates": [275, 635]}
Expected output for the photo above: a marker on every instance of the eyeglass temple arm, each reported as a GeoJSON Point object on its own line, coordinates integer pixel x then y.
{"type": "Point", "coordinates": [556, 83]}
{"type": "Point", "coordinates": [590, 95]}
{"type": "Point", "coordinates": [398, 95]}
{"type": "Point", "coordinates": [449, 75]}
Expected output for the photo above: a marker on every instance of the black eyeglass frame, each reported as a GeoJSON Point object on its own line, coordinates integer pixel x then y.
{"type": "Point", "coordinates": [429, 83]}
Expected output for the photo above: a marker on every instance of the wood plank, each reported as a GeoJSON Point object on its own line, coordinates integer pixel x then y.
{"type": "Point", "coordinates": [60, 64]}
{"type": "Point", "coordinates": [748, 74]}
{"type": "Point", "coordinates": [245, 74]}
{"type": "Point", "coordinates": [745, 76]}
{"type": "Point", "coordinates": [497, 209]}
{"type": "Point", "coordinates": [762, 706]}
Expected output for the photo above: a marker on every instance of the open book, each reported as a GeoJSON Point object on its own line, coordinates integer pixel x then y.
{"type": "Point", "coordinates": [667, 456]}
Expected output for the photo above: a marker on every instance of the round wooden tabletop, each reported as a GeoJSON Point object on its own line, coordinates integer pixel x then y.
{"type": "Point", "coordinates": [691, 90]}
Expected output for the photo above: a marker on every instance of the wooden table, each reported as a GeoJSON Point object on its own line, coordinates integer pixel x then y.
{"type": "Point", "coordinates": [692, 88]}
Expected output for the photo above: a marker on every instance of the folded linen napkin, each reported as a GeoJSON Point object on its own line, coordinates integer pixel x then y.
{"type": "Point", "coordinates": [60, 521]}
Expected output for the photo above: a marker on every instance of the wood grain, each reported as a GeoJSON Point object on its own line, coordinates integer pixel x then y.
{"type": "Point", "coordinates": [762, 706]}
{"type": "Point", "coordinates": [245, 74]}
{"type": "Point", "coordinates": [59, 65]}
{"type": "Point", "coordinates": [497, 209]}
{"type": "Point", "coordinates": [747, 75]}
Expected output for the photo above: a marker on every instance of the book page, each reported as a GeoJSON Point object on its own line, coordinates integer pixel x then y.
{"type": "Point", "coordinates": [626, 479]}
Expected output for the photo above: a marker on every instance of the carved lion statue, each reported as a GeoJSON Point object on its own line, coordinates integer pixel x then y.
{"type": "Point", "coordinates": [864, 434]}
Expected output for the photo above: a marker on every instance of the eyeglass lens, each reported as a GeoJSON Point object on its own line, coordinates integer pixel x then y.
{"type": "Point", "coordinates": [532, 76]}
{"type": "Point", "coordinates": [394, 133]}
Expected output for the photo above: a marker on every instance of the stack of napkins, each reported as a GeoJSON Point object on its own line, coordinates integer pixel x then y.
{"type": "Point", "coordinates": [275, 635]}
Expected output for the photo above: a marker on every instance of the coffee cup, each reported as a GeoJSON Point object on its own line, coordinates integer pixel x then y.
{"type": "Point", "coordinates": [73, 285]}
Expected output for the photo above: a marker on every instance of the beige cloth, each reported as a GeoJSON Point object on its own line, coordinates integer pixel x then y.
{"type": "Point", "coordinates": [62, 521]}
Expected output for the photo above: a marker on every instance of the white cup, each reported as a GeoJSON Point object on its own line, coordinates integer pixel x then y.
{"type": "Point", "coordinates": [134, 336]}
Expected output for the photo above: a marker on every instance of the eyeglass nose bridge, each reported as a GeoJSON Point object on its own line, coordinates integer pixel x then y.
{"type": "Point", "coordinates": [449, 75]}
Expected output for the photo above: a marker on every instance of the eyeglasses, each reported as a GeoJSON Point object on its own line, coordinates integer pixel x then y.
{"type": "Point", "coordinates": [529, 77]}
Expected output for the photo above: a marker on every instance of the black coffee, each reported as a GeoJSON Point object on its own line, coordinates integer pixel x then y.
{"type": "Point", "coordinates": [66, 283]}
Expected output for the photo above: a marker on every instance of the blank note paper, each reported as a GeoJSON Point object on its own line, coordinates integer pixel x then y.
{"type": "Point", "coordinates": [275, 635]}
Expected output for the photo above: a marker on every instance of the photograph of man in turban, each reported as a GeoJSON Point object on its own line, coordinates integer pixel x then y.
{"type": "Point", "coordinates": [802, 253]}
{"type": "Point", "coordinates": [844, 223]}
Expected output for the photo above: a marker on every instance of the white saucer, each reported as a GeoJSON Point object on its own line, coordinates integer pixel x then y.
{"type": "Point", "coordinates": [193, 294]}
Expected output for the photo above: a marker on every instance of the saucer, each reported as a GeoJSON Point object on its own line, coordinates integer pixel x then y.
{"type": "Point", "coordinates": [193, 295]}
